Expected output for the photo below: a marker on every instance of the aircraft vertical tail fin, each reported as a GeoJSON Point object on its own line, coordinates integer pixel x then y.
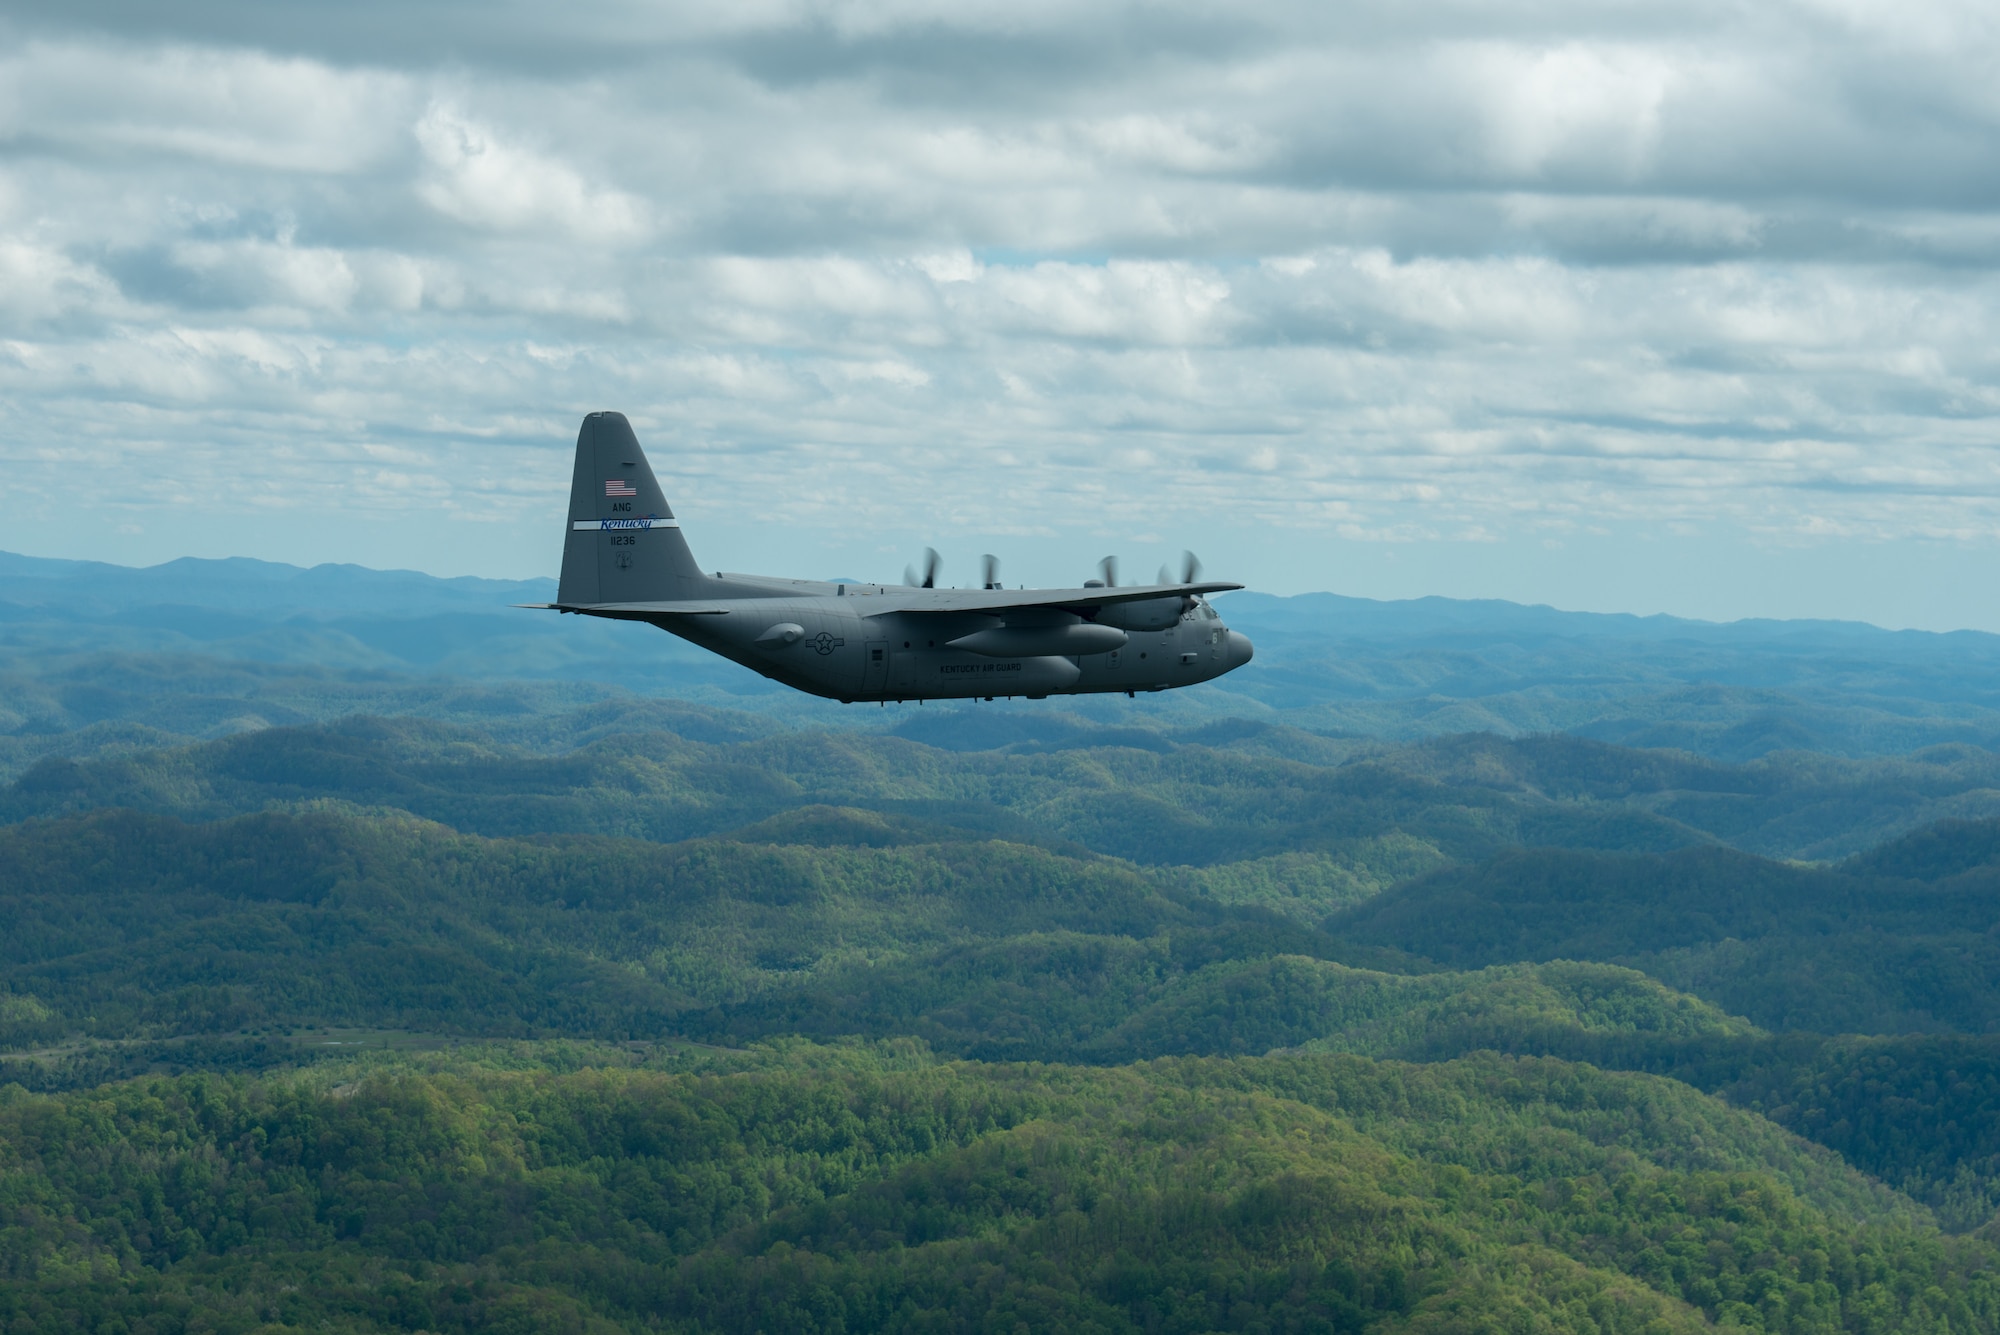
{"type": "Point", "coordinates": [622, 544]}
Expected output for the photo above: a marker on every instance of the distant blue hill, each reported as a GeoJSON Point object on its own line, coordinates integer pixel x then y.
{"type": "Point", "coordinates": [1327, 663]}
{"type": "Point", "coordinates": [1412, 619]}
{"type": "Point", "coordinates": [333, 616]}
{"type": "Point", "coordinates": [273, 590]}
{"type": "Point", "coordinates": [242, 583]}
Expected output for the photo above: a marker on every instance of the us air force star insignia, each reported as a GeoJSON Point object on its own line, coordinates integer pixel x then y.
{"type": "Point", "coordinates": [826, 643]}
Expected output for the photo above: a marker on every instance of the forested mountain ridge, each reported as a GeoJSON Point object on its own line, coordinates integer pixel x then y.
{"type": "Point", "coordinates": [1834, 949]}
{"type": "Point", "coordinates": [808, 1189]}
{"type": "Point", "coordinates": [140, 922]}
{"type": "Point", "coordinates": [126, 934]}
{"type": "Point", "coordinates": [1376, 996]}
{"type": "Point", "coordinates": [1219, 792]}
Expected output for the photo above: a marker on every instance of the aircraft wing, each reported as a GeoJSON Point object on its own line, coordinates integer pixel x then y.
{"type": "Point", "coordinates": [893, 599]}
{"type": "Point", "coordinates": [631, 611]}
{"type": "Point", "coordinates": [1007, 600]}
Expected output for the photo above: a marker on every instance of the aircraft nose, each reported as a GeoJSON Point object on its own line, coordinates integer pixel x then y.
{"type": "Point", "coordinates": [1240, 649]}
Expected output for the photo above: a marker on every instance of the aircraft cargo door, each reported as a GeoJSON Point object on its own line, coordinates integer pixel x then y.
{"type": "Point", "coordinates": [875, 669]}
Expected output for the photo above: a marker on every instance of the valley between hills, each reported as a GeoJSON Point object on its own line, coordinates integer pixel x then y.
{"type": "Point", "coordinates": [394, 997]}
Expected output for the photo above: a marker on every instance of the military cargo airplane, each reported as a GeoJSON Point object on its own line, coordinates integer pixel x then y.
{"type": "Point", "coordinates": [624, 557]}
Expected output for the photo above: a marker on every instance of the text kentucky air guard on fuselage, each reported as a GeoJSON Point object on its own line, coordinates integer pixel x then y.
{"type": "Point", "coordinates": [624, 557]}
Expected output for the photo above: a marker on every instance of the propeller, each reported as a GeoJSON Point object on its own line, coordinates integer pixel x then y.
{"type": "Point", "coordinates": [989, 571]}
{"type": "Point", "coordinates": [929, 580]}
{"type": "Point", "coordinates": [1108, 567]}
{"type": "Point", "coordinates": [1190, 570]}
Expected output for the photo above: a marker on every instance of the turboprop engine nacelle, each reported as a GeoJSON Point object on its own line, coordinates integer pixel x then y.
{"type": "Point", "coordinates": [1146, 614]}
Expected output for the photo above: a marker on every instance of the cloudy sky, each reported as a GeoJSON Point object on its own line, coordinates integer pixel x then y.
{"type": "Point", "coordinates": [1685, 307]}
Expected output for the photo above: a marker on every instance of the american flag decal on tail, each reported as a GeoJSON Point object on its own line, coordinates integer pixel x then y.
{"type": "Point", "coordinates": [619, 487]}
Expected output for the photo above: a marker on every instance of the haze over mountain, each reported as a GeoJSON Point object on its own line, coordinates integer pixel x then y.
{"type": "Point", "coordinates": [70, 631]}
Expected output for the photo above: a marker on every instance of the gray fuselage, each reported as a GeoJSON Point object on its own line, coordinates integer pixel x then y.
{"type": "Point", "coordinates": [851, 645]}
{"type": "Point", "coordinates": [625, 557]}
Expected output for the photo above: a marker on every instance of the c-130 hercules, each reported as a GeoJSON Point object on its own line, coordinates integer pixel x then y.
{"type": "Point", "coordinates": [624, 558]}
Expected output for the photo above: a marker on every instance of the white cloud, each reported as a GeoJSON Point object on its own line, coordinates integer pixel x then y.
{"type": "Point", "coordinates": [243, 109]}
{"type": "Point", "coordinates": [1591, 109]}
{"type": "Point", "coordinates": [40, 282]}
{"type": "Point", "coordinates": [479, 179]}
{"type": "Point", "coordinates": [1122, 301]}
{"type": "Point", "coordinates": [1469, 270]}
{"type": "Point", "coordinates": [315, 278]}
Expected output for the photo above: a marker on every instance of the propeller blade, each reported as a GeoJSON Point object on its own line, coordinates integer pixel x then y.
{"type": "Point", "coordinates": [1190, 567]}
{"type": "Point", "coordinates": [1166, 576]}
{"type": "Point", "coordinates": [1108, 567]}
{"type": "Point", "coordinates": [989, 571]}
{"type": "Point", "coordinates": [910, 576]}
{"type": "Point", "coordinates": [931, 563]}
